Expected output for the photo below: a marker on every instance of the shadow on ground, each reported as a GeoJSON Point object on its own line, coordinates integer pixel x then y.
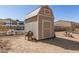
{"type": "Point", "coordinates": [64, 43]}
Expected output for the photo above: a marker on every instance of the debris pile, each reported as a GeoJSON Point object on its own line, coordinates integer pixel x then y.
{"type": "Point", "coordinates": [4, 46]}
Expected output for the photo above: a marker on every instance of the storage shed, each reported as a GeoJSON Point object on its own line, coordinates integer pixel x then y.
{"type": "Point", "coordinates": [40, 22]}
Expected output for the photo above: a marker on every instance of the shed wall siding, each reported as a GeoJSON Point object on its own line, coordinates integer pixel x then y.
{"type": "Point", "coordinates": [32, 19]}
{"type": "Point", "coordinates": [41, 18]}
{"type": "Point", "coordinates": [32, 26]}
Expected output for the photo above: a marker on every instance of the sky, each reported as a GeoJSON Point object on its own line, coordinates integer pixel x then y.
{"type": "Point", "coordinates": [61, 12]}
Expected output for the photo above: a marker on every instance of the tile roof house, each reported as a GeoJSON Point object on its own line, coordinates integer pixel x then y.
{"type": "Point", "coordinates": [40, 22]}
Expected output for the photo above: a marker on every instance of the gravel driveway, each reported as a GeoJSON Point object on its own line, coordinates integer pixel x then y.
{"type": "Point", "coordinates": [58, 44]}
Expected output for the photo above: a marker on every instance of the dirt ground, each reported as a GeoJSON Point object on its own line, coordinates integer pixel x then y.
{"type": "Point", "coordinates": [60, 44]}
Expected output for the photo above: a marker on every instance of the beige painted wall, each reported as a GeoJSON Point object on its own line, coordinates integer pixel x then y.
{"type": "Point", "coordinates": [32, 26]}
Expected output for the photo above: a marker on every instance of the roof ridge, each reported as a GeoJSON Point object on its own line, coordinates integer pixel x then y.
{"type": "Point", "coordinates": [33, 12]}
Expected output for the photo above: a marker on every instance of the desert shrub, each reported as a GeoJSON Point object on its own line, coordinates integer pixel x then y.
{"type": "Point", "coordinates": [4, 46]}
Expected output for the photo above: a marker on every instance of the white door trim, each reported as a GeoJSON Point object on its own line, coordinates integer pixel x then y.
{"type": "Point", "coordinates": [43, 27]}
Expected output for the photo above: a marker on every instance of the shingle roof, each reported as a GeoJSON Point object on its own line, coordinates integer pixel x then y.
{"type": "Point", "coordinates": [33, 13]}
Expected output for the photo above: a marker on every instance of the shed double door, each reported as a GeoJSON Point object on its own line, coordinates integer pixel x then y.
{"type": "Point", "coordinates": [46, 29]}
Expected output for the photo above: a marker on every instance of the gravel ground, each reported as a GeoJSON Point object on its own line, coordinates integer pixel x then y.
{"type": "Point", "coordinates": [60, 44]}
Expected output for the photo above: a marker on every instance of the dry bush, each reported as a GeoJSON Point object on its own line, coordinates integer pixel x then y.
{"type": "Point", "coordinates": [5, 46]}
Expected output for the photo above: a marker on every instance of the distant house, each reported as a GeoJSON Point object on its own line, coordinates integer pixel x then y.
{"type": "Point", "coordinates": [6, 25]}
{"type": "Point", "coordinates": [40, 22]}
{"type": "Point", "coordinates": [20, 27]}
